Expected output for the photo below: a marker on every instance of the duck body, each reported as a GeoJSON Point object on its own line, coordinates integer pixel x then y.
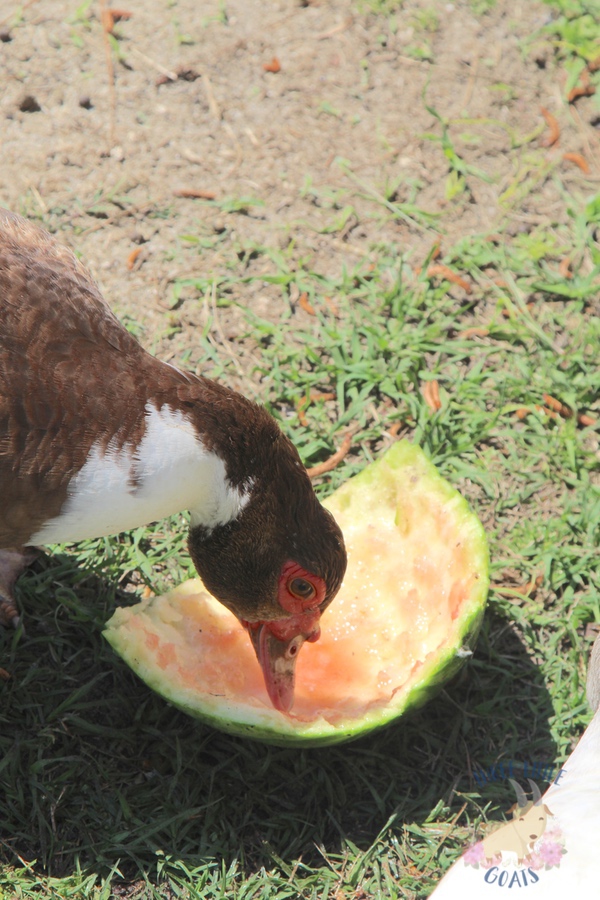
{"type": "Point", "coordinates": [97, 436]}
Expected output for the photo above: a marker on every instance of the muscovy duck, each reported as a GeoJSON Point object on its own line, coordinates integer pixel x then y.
{"type": "Point", "coordinates": [97, 436]}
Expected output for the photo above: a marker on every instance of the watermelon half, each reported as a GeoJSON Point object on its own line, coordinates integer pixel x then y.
{"type": "Point", "coordinates": [402, 624]}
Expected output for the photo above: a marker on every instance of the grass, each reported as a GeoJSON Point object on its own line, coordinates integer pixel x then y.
{"type": "Point", "coordinates": [108, 792]}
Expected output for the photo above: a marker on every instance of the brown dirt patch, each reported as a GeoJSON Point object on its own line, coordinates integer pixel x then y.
{"type": "Point", "coordinates": [195, 108]}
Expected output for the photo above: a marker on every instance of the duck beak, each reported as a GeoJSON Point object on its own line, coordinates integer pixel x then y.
{"type": "Point", "coordinates": [277, 660]}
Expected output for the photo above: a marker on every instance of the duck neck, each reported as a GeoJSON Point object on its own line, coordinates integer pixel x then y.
{"type": "Point", "coordinates": [124, 486]}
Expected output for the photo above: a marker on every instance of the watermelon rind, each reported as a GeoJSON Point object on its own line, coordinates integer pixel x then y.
{"type": "Point", "coordinates": [399, 482]}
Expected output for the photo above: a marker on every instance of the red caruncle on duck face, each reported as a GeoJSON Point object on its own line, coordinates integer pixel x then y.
{"type": "Point", "coordinates": [278, 642]}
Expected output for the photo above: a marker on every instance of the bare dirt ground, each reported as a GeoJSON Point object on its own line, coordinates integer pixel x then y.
{"type": "Point", "coordinates": [101, 135]}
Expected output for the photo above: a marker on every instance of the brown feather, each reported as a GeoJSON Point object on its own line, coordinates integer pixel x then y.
{"type": "Point", "coordinates": [72, 376]}
{"type": "Point", "coordinates": [69, 375]}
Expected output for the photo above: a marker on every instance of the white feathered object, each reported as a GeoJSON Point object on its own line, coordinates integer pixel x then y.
{"type": "Point", "coordinates": [563, 861]}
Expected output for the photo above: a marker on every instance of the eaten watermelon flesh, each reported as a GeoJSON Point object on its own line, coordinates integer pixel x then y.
{"type": "Point", "coordinates": [412, 597]}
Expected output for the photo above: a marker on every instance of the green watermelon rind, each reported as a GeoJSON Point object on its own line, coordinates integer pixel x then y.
{"type": "Point", "coordinates": [404, 464]}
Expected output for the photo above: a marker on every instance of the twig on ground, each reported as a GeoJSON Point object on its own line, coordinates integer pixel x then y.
{"type": "Point", "coordinates": [312, 397]}
{"type": "Point", "coordinates": [193, 194]}
{"type": "Point", "coordinates": [521, 590]}
{"type": "Point", "coordinates": [172, 76]}
{"type": "Point", "coordinates": [336, 29]}
{"type": "Point", "coordinates": [333, 461]}
{"type": "Point", "coordinates": [111, 16]}
{"type": "Point", "coordinates": [144, 209]}
{"type": "Point", "coordinates": [581, 90]}
{"type": "Point", "coordinates": [213, 106]}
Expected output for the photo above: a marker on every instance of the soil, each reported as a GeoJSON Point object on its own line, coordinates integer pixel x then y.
{"type": "Point", "coordinates": [291, 119]}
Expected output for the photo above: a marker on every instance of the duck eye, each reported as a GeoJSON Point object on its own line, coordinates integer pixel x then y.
{"type": "Point", "coordinates": [302, 589]}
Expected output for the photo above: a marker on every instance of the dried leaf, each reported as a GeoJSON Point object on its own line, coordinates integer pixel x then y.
{"type": "Point", "coordinates": [554, 128]}
{"type": "Point", "coordinates": [549, 412]}
{"type": "Point", "coordinates": [273, 66]}
{"type": "Point", "coordinates": [449, 275]}
{"type": "Point", "coordinates": [304, 304]}
{"type": "Point", "coordinates": [579, 160]}
{"type": "Point", "coordinates": [332, 305]}
{"type": "Point", "coordinates": [322, 395]}
{"type": "Point", "coordinates": [300, 407]}
{"type": "Point", "coordinates": [132, 257]}
{"type": "Point", "coordinates": [194, 194]}
{"type": "Point", "coordinates": [431, 394]}
{"type": "Point", "coordinates": [564, 268]}
{"type": "Point", "coordinates": [581, 90]}
{"type": "Point", "coordinates": [474, 332]}
{"type": "Point", "coordinates": [561, 408]}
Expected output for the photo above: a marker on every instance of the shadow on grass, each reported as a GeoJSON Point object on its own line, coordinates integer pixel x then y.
{"type": "Point", "coordinates": [96, 770]}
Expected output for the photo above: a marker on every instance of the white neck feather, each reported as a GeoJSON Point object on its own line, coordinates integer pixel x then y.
{"type": "Point", "coordinates": [169, 471]}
